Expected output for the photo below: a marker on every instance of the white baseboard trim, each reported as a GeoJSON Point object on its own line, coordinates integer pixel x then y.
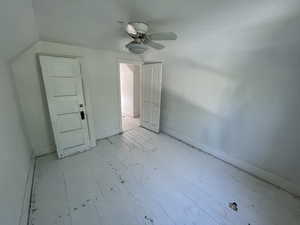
{"type": "Point", "coordinates": [110, 134]}
{"type": "Point", "coordinates": [45, 150]}
{"type": "Point", "coordinates": [27, 195]}
{"type": "Point", "coordinates": [253, 170]}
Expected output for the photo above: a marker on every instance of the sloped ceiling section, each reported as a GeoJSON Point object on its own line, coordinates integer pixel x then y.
{"type": "Point", "coordinates": [17, 27]}
{"type": "Point", "coordinates": [212, 32]}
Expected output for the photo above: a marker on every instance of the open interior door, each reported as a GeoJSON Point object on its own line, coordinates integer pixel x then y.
{"type": "Point", "coordinates": [151, 95]}
{"type": "Point", "coordinates": [63, 85]}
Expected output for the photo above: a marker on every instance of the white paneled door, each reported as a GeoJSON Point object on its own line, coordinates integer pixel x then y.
{"type": "Point", "coordinates": [63, 85]}
{"type": "Point", "coordinates": [151, 95]}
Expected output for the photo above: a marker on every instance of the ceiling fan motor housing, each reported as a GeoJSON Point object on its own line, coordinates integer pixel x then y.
{"type": "Point", "coordinates": [141, 28]}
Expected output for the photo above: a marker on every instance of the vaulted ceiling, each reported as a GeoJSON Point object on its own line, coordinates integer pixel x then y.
{"type": "Point", "coordinates": [94, 23]}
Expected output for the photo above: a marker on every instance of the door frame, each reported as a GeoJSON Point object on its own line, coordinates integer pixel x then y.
{"type": "Point", "coordinates": [85, 89]}
{"type": "Point", "coordinates": [127, 61]}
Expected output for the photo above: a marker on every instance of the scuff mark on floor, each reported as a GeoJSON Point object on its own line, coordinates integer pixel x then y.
{"type": "Point", "coordinates": [233, 206]}
{"type": "Point", "coordinates": [109, 140]}
{"type": "Point", "coordinates": [122, 181]}
{"type": "Point", "coordinates": [149, 219]}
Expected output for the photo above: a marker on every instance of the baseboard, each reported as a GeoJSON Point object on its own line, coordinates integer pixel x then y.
{"type": "Point", "coordinates": [114, 132]}
{"type": "Point", "coordinates": [27, 195]}
{"type": "Point", "coordinates": [253, 170]}
{"type": "Point", "coordinates": [45, 150]}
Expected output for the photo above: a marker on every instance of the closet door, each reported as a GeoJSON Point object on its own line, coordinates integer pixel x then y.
{"type": "Point", "coordinates": [151, 96]}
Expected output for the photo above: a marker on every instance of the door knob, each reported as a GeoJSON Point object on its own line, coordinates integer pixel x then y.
{"type": "Point", "coordinates": [82, 115]}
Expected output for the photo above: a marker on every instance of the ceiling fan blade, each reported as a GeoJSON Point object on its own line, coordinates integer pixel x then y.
{"type": "Point", "coordinates": [131, 30]}
{"type": "Point", "coordinates": [123, 29]}
{"type": "Point", "coordinates": [153, 44]}
{"type": "Point", "coordinates": [161, 36]}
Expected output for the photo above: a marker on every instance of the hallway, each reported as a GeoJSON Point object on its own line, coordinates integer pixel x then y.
{"type": "Point", "coordinates": [129, 123]}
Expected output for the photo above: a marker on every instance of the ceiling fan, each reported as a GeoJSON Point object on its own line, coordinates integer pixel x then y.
{"type": "Point", "coordinates": [138, 31]}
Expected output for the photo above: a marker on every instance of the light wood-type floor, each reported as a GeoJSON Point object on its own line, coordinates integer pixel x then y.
{"type": "Point", "coordinates": [143, 178]}
{"type": "Point", "coordinates": [129, 123]}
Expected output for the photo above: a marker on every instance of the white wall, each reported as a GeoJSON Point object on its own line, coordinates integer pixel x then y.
{"type": "Point", "coordinates": [15, 152]}
{"type": "Point", "coordinates": [101, 68]}
{"type": "Point", "coordinates": [232, 87]}
{"type": "Point", "coordinates": [33, 101]}
{"type": "Point", "coordinates": [17, 32]}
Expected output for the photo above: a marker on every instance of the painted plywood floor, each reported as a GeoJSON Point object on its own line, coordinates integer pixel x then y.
{"type": "Point", "coordinates": [143, 178]}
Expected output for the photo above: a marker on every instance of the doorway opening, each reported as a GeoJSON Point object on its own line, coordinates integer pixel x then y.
{"type": "Point", "coordinates": [130, 90]}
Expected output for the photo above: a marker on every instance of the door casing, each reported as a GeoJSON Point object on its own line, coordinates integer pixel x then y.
{"type": "Point", "coordinates": [125, 61]}
{"type": "Point", "coordinates": [135, 62]}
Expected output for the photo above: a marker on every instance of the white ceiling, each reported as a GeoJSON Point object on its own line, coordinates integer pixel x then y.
{"type": "Point", "coordinates": [93, 23]}
{"type": "Point", "coordinates": [17, 27]}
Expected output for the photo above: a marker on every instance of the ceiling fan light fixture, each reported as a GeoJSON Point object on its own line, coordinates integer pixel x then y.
{"type": "Point", "coordinates": [136, 48]}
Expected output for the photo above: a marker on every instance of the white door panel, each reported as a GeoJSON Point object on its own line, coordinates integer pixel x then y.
{"type": "Point", "coordinates": [63, 85]}
{"type": "Point", "coordinates": [146, 112]}
{"type": "Point", "coordinates": [62, 67]}
{"type": "Point", "coordinates": [66, 105]}
{"type": "Point", "coordinates": [72, 139]}
{"type": "Point", "coordinates": [151, 96]}
{"type": "Point", "coordinates": [69, 122]}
